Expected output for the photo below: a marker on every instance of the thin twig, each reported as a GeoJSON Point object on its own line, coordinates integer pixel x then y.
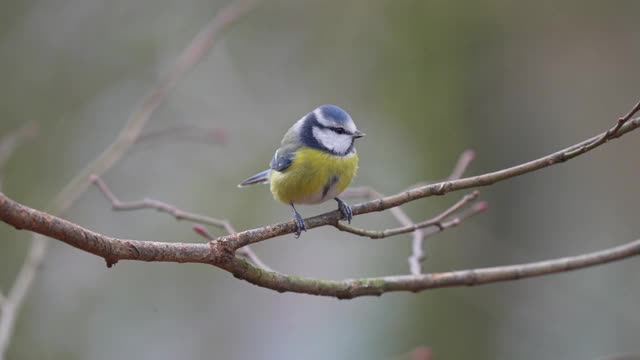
{"type": "Point", "coordinates": [178, 214]}
{"type": "Point", "coordinates": [614, 132]}
{"type": "Point", "coordinates": [462, 164]}
{"type": "Point", "coordinates": [475, 209]}
{"type": "Point", "coordinates": [10, 303]}
{"type": "Point", "coordinates": [11, 141]}
{"type": "Point", "coordinates": [398, 213]}
{"type": "Point", "coordinates": [369, 193]}
{"type": "Point", "coordinates": [189, 133]}
{"type": "Point", "coordinates": [417, 244]}
{"type": "Point", "coordinates": [190, 56]}
{"type": "Point", "coordinates": [437, 221]}
{"type": "Point", "coordinates": [464, 160]}
{"type": "Point", "coordinates": [608, 135]}
{"type": "Point", "coordinates": [15, 297]}
{"type": "Point", "coordinates": [8, 145]}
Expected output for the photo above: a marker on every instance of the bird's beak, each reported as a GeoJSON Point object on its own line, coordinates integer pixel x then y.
{"type": "Point", "coordinates": [357, 134]}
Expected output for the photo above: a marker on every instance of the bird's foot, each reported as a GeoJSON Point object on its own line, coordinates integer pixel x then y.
{"type": "Point", "coordinates": [300, 225]}
{"type": "Point", "coordinates": [345, 209]}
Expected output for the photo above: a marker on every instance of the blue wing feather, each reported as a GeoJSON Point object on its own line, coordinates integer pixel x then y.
{"type": "Point", "coordinates": [283, 158]}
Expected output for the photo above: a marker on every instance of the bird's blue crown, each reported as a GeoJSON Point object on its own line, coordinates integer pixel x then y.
{"type": "Point", "coordinates": [334, 113]}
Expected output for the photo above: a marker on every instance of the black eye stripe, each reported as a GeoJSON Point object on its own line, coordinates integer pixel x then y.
{"type": "Point", "coordinates": [338, 130]}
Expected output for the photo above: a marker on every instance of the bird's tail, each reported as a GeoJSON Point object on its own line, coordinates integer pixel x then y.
{"type": "Point", "coordinates": [259, 178]}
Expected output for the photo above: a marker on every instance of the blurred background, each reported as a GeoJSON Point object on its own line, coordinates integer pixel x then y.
{"type": "Point", "coordinates": [425, 79]}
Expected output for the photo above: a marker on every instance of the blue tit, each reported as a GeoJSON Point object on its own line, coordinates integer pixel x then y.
{"type": "Point", "coordinates": [315, 162]}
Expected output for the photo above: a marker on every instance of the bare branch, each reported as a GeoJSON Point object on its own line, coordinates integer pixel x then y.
{"type": "Point", "coordinates": [403, 218]}
{"type": "Point", "coordinates": [370, 193]}
{"type": "Point", "coordinates": [10, 307]}
{"type": "Point", "coordinates": [11, 141]}
{"type": "Point", "coordinates": [178, 214]}
{"type": "Point", "coordinates": [160, 206]}
{"type": "Point", "coordinates": [417, 243]}
{"type": "Point", "coordinates": [188, 133]}
{"type": "Point", "coordinates": [437, 221]}
{"type": "Point", "coordinates": [603, 138]}
{"type": "Point", "coordinates": [462, 164]}
{"type": "Point", "coordinates": [23, 217]}
{"type": "Point", "coordinates": [614, 132]}
{"type": "Point", "coordinates": [190, 56]}
{"type": "Point", "coordinates": [10, 303]}
{"type": "Point", "coordinates": [15, 138]}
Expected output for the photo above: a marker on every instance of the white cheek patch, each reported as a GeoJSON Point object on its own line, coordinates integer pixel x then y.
{"type": "Point", "coordinates": [338, 143]}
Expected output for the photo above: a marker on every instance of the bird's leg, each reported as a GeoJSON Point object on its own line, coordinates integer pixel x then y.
{"type": "Point", "coordinates": [300, 226]}
{"type": "Point", "coordinates": [345, 209]}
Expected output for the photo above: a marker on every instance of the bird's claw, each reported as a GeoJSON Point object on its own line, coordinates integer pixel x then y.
{"type": "Point", "coordinates": [345, 209]}
{"type": "Point", "coordinates": [300, 226]}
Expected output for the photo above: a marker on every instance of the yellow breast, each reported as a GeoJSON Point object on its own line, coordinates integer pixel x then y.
{"type": "Point", "coordinates": [314, 177]}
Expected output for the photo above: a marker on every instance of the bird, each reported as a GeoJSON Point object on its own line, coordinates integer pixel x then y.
{"type": "Point", "coordinates": [316, 162]}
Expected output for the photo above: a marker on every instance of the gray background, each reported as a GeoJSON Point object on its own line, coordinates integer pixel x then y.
{"type": "Point", "coordinates": [424, 79]}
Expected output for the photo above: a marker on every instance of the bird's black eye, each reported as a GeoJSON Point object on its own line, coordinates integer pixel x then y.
{"type": "Point", "coordinates": [339, 130]}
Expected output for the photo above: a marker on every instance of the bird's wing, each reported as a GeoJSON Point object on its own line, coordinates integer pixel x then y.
{"type": "Point", "coordinates": [292, 136]}
{"type": "Point", "coordinates": [283, 158]}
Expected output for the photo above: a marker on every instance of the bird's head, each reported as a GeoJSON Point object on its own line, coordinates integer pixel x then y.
{"type": "Point", "coordinates": [329, 128]}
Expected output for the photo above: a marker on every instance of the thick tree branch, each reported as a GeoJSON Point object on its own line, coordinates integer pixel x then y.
{"type": "Point", "coordinates": [245, 252]}
{"type": "Point", "coordinates": [112, 249]}
{"type": "Point", "coordinates": [178, 214]}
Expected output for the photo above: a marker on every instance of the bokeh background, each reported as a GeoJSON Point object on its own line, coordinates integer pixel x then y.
{"type": "Point", "coordinates": [425, 79]}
